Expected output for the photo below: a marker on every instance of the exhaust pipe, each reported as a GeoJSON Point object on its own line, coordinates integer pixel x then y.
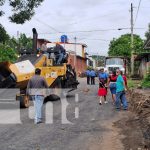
{"type": "Point", "coordinates": [35, 37]}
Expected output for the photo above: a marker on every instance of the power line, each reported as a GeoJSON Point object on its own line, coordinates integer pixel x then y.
{"type": "Point", "coordinates": [94, 39]}
{"type": "Point", "coordinates": [84, 31]}
{"type": "Point", "coordinates": [46, 25]}
{"type": "Point", "coordinates": [137, 11]}
{"type": "Point", "coordinates": [87, 31]}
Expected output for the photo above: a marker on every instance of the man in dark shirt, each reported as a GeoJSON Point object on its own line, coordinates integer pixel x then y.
{"type": "Point", "coordinates": [36, 88]}
{"type": "Point", "coordinates": [59, 52]}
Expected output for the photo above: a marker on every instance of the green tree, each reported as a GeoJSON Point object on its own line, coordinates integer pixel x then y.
{"type": "Point", "coordinates": [22, 10]}
{"type": "Point", "coordinates": [13, 43]}
{"type": "Point", "coordinates": [3, 35]}
{"type": "Point", "coordinates": [24, 42]}
{"type": "Point", "coordinates": [122, 45]}
{"type": "Point", "coordinates": [7, 53]}
{"type": "Point", "coordinates": [147, 34]}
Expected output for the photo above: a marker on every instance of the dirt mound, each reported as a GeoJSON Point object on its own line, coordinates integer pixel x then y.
{"type": "Point", "coordinates": [135, 126]}
{"type": "Point", "coordinates": [140, 104]}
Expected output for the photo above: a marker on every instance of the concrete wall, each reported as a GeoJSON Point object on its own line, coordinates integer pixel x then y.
{"type": "Point", "coordinates": [70, 48]}
{"type": "Point", "coordinates": [79, 64]}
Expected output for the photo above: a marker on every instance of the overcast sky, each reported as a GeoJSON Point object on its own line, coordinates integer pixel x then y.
{"type": "Point", "coordinates": [66, 16]}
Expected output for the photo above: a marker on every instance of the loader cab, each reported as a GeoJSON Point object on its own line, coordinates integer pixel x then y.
{"type": "Point", "coordinates": [54, 58]}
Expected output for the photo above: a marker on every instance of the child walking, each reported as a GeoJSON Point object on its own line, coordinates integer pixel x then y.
{"type": "Point", "coordinates": [102, 92]}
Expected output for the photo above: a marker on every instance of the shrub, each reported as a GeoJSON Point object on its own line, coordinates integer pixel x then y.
{"type": "Point", "coordinates": [146, 81]}
{"type": "Point", "coordinates": [7, 53]}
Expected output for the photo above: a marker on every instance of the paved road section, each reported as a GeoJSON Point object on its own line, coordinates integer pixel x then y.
{"type": "Point", "coordinates": [90, 129]}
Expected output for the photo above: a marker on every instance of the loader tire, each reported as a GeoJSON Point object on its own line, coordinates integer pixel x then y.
{"type": "Point", "coordinates": [24, 102]}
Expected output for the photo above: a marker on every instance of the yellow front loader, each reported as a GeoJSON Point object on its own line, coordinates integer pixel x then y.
{"type": "Point", "coordinates": [18, 74]}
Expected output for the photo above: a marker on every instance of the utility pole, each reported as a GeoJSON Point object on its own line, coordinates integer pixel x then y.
{"type": "Point", "coordinates": [75, 49]}
{"type": "Point", "coordinates": [18, 42]}
{"type": "Point", "coordinates": [132, 40]}
{"type": "Point", "coordinates": [97, 59]}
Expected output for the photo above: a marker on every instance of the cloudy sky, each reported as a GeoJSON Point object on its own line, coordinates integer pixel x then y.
{"type": "Point", "coordinates": [67, 16]}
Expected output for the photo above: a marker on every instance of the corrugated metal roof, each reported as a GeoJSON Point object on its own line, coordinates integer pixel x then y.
{"type": "Point", "coordinates": [147, 44]}
{"type": "Point", "coordinates": [142, 55]}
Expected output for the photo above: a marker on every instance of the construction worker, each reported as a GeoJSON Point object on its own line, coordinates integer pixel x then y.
{"type": "Point", "coordinates": [88, 76]}
{"type": "Point", "coordinates": [93, 75]}
{"type": "Point", "coordinates": [44, 49]}
{"type": "Point", "coordinates": [44, 52]}
{"type": "Point", "coordinates": [59, 52]}
{"type": "Point", "coordinates": [35, 88]}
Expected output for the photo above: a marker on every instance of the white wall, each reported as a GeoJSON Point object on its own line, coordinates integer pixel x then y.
{"type": "Point", "coordinates": [91, 59]}
{"type": "Point", "coordinates": [70, 48]}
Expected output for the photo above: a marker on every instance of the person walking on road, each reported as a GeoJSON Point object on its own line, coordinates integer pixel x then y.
{"type": "Point", "coordinates": [88, 76]}
{"type": "Point", "coordinates": [102, 92]}
{"type": "Point", "coordinates": [93, 75]}
{"type": "Point", "coordinates": [103, 77]}
{"type": "Point", "coordinates": [120, 92]}
{"type": "Point", "coordinates": [112, 85]}
{"type": "Point", "coordinates": [36, 88]}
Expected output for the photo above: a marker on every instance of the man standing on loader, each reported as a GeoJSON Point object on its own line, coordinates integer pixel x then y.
{"type": "Point", "coordinates": [60, 53]}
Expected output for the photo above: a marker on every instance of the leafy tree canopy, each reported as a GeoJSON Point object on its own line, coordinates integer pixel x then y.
{"type": "Point", "coordinates": [23, 10]}
{"type": "Point", "coordinates": [24, 42]}
{"type": "Point", "coordinates": [3, 34]}
{"type": "Point", "coordinates": [7, 53]}
{"type": "Point", "coordinates": [13, 43]}
{"type": "Point", "coordinates": [122, 45]}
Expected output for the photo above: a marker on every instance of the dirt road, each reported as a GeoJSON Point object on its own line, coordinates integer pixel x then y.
{"type": "Point", "coordinates": [93, 130]}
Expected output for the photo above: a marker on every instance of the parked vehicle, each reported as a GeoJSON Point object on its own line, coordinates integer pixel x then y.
{"type": "Point", "coordinates": [112, 63]}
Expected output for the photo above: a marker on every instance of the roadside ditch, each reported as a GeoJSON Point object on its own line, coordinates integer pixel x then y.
{"type": "Point", "coordinates": [136, 125]}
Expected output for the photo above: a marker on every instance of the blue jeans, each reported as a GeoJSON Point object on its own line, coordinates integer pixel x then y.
{"type": "Point", "coordinates": [120, 97]}
{"type": "Point", "coordinates": [60, 58]}
{"type": "Point", "coordinates": [113, 88]}
{"type": "Point", "coordinates": [38, 103]}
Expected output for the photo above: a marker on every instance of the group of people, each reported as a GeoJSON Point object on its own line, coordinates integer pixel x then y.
{"type": "Point", "coordinates": [116, 82]}
{"type": "Point", "coordinates": [59, 52]}
{"type": "Point", "coordinates": [91, 74]}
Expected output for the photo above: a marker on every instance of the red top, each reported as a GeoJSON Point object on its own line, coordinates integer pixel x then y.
{"type": "Point", "coordinates": [113, 78]}
{"type": "Point", "coordinates": [125, 79]}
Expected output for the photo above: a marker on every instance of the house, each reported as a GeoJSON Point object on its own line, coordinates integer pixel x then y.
{"type": "Point", "coordinates": [91, 62]}
{"type": "Point", "coordinates": [77, 57]}
{"type": "Point", "coordinates": [144, 59]}
{"type": "Point", "coordinates": [41, 41]}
